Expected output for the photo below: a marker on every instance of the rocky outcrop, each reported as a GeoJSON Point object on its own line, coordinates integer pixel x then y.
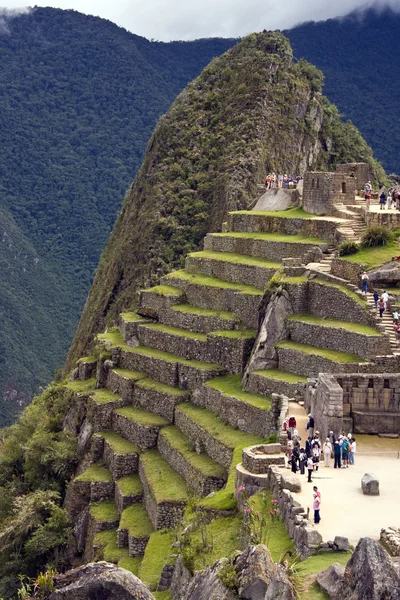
{"type": "Point", "coordinates": [256, 570]}
{"type": "Point", "coordinates": [390, 538]}
{"type": "Point", "coordinates": [387, 273]}
{"type": "Point", "coordinates": [369, 575]}
{"type": "Point", "coordinates": [99, 581]}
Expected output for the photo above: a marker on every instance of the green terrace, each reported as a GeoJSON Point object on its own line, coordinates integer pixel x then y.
{"type": "Point", "coordinates": [84, 388]}
{"type": "Point", "coordinates": [141, 416]}
{"type": "Point", "coordinates": [359, 299]}
{"type": "Point", "coordinates": [165, 483]}
{"type": "Point", "coordinates": [224, 499]}
{"type": "Point", "coordinates": [279, 375]}
{"type": "Point", "coordinates": [271, 237]}
{"type": "Point", "coordinates": [201, 337]}
{"type": "Point", "coordinates": [104, 396]}
{"type": "Point", "coordinates": [106, 542]}
{"type": "Point", "coordinates": [227, 435]}
{"type": "Point", "coordinates": [235, 334]}
{"type": "Point", "coordinates": [104, 511]}
{"type": "Point", "coordinates": [130, 485]}
{"type": "Point", "coordinates": [131, 317]}
{"type": "Point", "coordinates": [87, 359]}
{"type": "Point", "coordinates": [162, 388]}
{"type": "Point", "coordinates": [370, 258]}
{"type": "Point", "coordinates": [201, 462]}
{"type": "Point", "coordinates": [95, 473]}
{"type": "Point", "coordinates": [333, 355]}
{"type": "Point", "coordinates": [237, 259]}
{"type": "Point", "coordinates": [164, 290]}
{"type": "Point", "coordinates": [231, 385]}
{"type": "Point", "coordinates": [118, 444]}
{"type": "Point", "coordinates": [128, 374]}
{"type": "Point", "coordinates": [214, 282]}
{"type": "Point", "coordinates": [134, 519]}
{"type": "Point", "coordinates": [290, 213]}
{"type": "Point", "coordinates": [348, 325]}
{"type": "Point", "coordinates": [190, 309]}
{"type": "Point", "coordinates": [157, 554]}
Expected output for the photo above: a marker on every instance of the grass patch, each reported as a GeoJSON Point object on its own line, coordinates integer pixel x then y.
{"type": "Point", "coordinates": [374, 257]}
{"type": "Point", "coordinates": [359, 299]}
{"type": "Point", "coordinates": [214, 282]}
{"type": "Point", "coordinates": [201, 337]}
{"type": "Point", "coordinates": [279, 375]}
{"type": "Point", "coordinates": [131, 317]}
{"type": "Point", "coordinates": [135, 520]}
{"type": "Point", "coordinates": [237, 259]}
{"type": "Point", "coordinates": [157, 554]}
{"type": "Point", "coordinates": [349, 326]}
{"type": "Point", "coordinates": [110, 338]}
{"type": "Point", "coordinates": [231, 385]}
{"type": "Point", "coordinates": [164, 290]}
{"type": "Point", "coordinates": [95, 473]}
{"type": "Point", "coordinates": [290, 213]}
{"type": "Point", "coordinates": [104, 396]}
{"type": "Point", "coordinates": [294, 280]}
{"type": "Point", "coordinates": [201, 462]}
{"type": "Point", "coordinates": [224, 499]}
{"type": "Point", "coordinates": [119, 444]}
{"type": "Point", "coordinates": [224, 533]}
{"type": "Point", "coordinates": [334, 355]}
{"type": "Point", "coordinates": [271, 237]}
{"type": "Point", "coordinates": [163, 388]}
{"type": "Point", "coordinates": [107, 541]}
{"type": "Point", "coordinates": [128, 374]}
{"type": "Point", "coordinates": [82, 387]}
{"type": "Point", "coordinates": [227, 435]}
{"type": "Point", "coordinates": [130, 485]}
{"type": "Point", "coordinates": [87, 359]}
{"type": "Point", "coordinates": [162, 595]}
{"type": "Point", "coordinates": [104, 511]}
{"type": "Point", "coordinates": [276, 536]}
{"type": "Point", "coordinates": [131, 563]}
{"type": "Point", "coordinates": [318, 562]}
{"type": "Point", "coordinates": [236, 334]}
{"type": "Point", "coordinates": [165, 483]}
{"type": "Point", "coordinates": [141, 416]}
{"type": "Point", "coordinates": [205, 312]}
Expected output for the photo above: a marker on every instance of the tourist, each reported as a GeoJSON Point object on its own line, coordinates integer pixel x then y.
{"type": "Point", "coordinates": [337, 455]}
{"type": "Point", "coordinates": [310, 468]}
{"type": "Point", "coordinates": [364, 283]}
{"type": "Point", "coordinates": [285, 181]}
{"type": "Point", "coordinates": [310, 426]}
{"type": "Point", "coordinates": [289, 452]}
{"type": "Point", "coordinates": [382, 200]}
{"type": "Point", "coordinates": [316, 453]}
{"type": "Point", "coordinates": [397, 333]}
{"type": "Point", "coordinates": [268, 182]}
{"type": "Point", "coordinates": [376, 298]}
{"type": "Point", "coordinates": [302, 460]}
{"type": "Point", "coordinates": [293, 461]}
{"type": "Point", "coordinates": [385, 298]}
{"type": "Point", "coordinates": [368, 187]}
{"type": "Point", "coordinates": [292, 425]}
{"type": "Point", "coordinates": [345, 453]}
{"type": "Point", "coordinates": [316, 491]}
{"type": "Point", "coordinates": [316, 439]}
{"type": "Point", "coordinates": [280, 180]}
{"type": "Point", "coordinates": [296, 439]}
{"type": "Point", "coordinates": [316, 507]}
{"type": "Point", "coordinates": [308, 447]}
{"type": "Point", "coordinates": [352, 451]}
{"type": "Point", "coordinates": [381, 306]}
{"type": "Point", "coordinates": [327, 451]}
{"type": "Point", "coordinates": [396, 317]}
{"type": "Point", "coordinates": [389, 200]}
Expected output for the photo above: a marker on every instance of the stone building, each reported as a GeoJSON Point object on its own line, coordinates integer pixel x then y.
{"type": "Point", "coordinates": [321, 190]}
{"type": "Point", "coordinates": [360, 171]}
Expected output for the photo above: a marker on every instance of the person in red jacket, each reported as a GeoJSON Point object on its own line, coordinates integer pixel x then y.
{"type": "Point", "coordinates": [292, 425]}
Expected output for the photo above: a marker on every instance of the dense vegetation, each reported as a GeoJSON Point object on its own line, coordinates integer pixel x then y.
{"type": "Point", "coordinates": [79, 98]}
{"type": "Point", "coordinates": [237, 120]}
{"type": "Point", "coordinates": [358, 57]}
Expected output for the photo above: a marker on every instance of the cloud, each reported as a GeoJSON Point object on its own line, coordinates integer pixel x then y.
{"type": "Point", "coordinates": [6, 14]}
{"type": "Point", "coordinates": [186, 19]}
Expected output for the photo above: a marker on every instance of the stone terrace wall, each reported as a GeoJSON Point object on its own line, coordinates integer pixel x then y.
{"type": "Point", "coordinates": [391, 220]}
{"type": "Point", "coordinates": [322, 190]}
{"type": "Point", "coordinates": [361, 171]}
{"type": "Point", "coordinates": [331, 302]}
{"type": "Point", "coordinates": [347, 270]}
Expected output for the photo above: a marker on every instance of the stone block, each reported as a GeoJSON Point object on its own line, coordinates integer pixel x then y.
{"type": "Point", "coordinates": [370, 485]}
{"type": "Point", "coordinates": [341, 543]}
{"type": "Point", "coordinates": [290, 481]}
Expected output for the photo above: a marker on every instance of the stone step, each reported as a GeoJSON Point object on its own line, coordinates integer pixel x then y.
{"type": "Point", "coordinates": [210, 292]}
{"type": "Point", "coordinates": [231, 349]}
{"type": "Point", "coordinates": [102, 402]}
{"type": "Point", "coordinates": [165, 492]}
{"type": "Point", "coordinates": [274, 381]}
{"type": "Point", "coordinates": [202, 320]}
{"type": "Point", "coordinates": [128, 324]}
{"type": "Point", "coordinates": [128, 490]}
{"type": "Point", "coordinates": [134, 529]}
{"type": "Point", "coordinates": [332, 334]}
{"type": "Point", "coordinates": [86, 367]}
{"type": "Point", "coordinates": [309, 361]}
{"type": "Point", "coordinates": [159, 398]}
{"type": "Point", "coordinates": [235, 268]}
{"type": "Point", "coordinates": [120, 455]}
{"type": "Point", "coordinates": [156, 299]}
{"type": "Point", "coordinates": [139, 426]}
{"type": "Point", "coordinates": [246, 411]}
{"type": "Point", "coordinates": [103, 515]}
{"type": "Point", "coordinates": [199, 470]}
{"type": "Point", "coordinates": [210, 434]}
{"type": "Point", "coordinates": [92, 485]}
{"type": "Point", "coordinates": [271, 246]}
{"type": "Point", "coordinates": [122, 382]}
{"type": "Point", "coordinates": [167, 368]}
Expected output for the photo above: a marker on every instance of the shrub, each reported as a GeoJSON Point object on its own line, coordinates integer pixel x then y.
{"type": "Point", "coordinates": [376, 236]}
{"type": "Point", "coordinates": [348, 247]}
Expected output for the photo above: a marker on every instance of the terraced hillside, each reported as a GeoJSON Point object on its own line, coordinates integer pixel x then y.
{"type": "Point", "coordinates": [170, 414]}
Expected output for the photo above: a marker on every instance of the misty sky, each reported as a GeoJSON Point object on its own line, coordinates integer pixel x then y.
{"type": "Point", "coordinates": [189, 19]}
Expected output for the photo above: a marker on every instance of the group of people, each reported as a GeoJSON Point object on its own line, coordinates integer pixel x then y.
{"type": "Point", "coordinates": [381, 302]}
{"type": "Point", "coordinates": [391, 198]}
{"type": "Point", "coordinates": [286, 181]}
{"type": "Point", "coordinates": [307, 457]}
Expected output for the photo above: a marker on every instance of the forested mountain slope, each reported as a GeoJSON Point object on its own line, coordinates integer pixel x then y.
{"type": "Point", "coordinates": [250, 111]}
{"type": "Point", "coordinates": [79, 98]}
{"type": "Point", "coordinates": [359, 57]}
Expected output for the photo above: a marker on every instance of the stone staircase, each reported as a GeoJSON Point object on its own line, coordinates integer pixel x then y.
{"type": "Point", "coordinates": [168, 409]}
{"type": "Point", "coordinates": [386, 322]}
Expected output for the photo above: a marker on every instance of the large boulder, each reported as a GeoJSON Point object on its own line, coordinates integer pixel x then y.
{"type": "Point", "coordinates": [330, 579]}
{"type": "Point", "coordinates": [280, 586]}
{"type": "Point", "coordinates": [206, 585]}
{"type": "Point", "coordinates": [387, 273]}
{"type": "Point", "coordinates": [256, 570]}
{"type": "Point", "coordinates": [99, 581]}
{"type": "Point", "coordinates": [370, 485]}
{"type": "Point", "coordinates": [290, 481]}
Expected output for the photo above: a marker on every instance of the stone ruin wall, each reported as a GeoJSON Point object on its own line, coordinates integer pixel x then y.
{"type": "Point", "coordinates": [322, 190]}
{"type": "Point", "coordinates": [361, 172]}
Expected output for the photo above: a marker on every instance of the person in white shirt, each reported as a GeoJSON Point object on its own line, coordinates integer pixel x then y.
{"type": "Point", "coordinates": [327, 450]}
{"type": "Point", "coordinates": [352, 451]}
{"type": "Point", "coordinates": [385, 298]}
